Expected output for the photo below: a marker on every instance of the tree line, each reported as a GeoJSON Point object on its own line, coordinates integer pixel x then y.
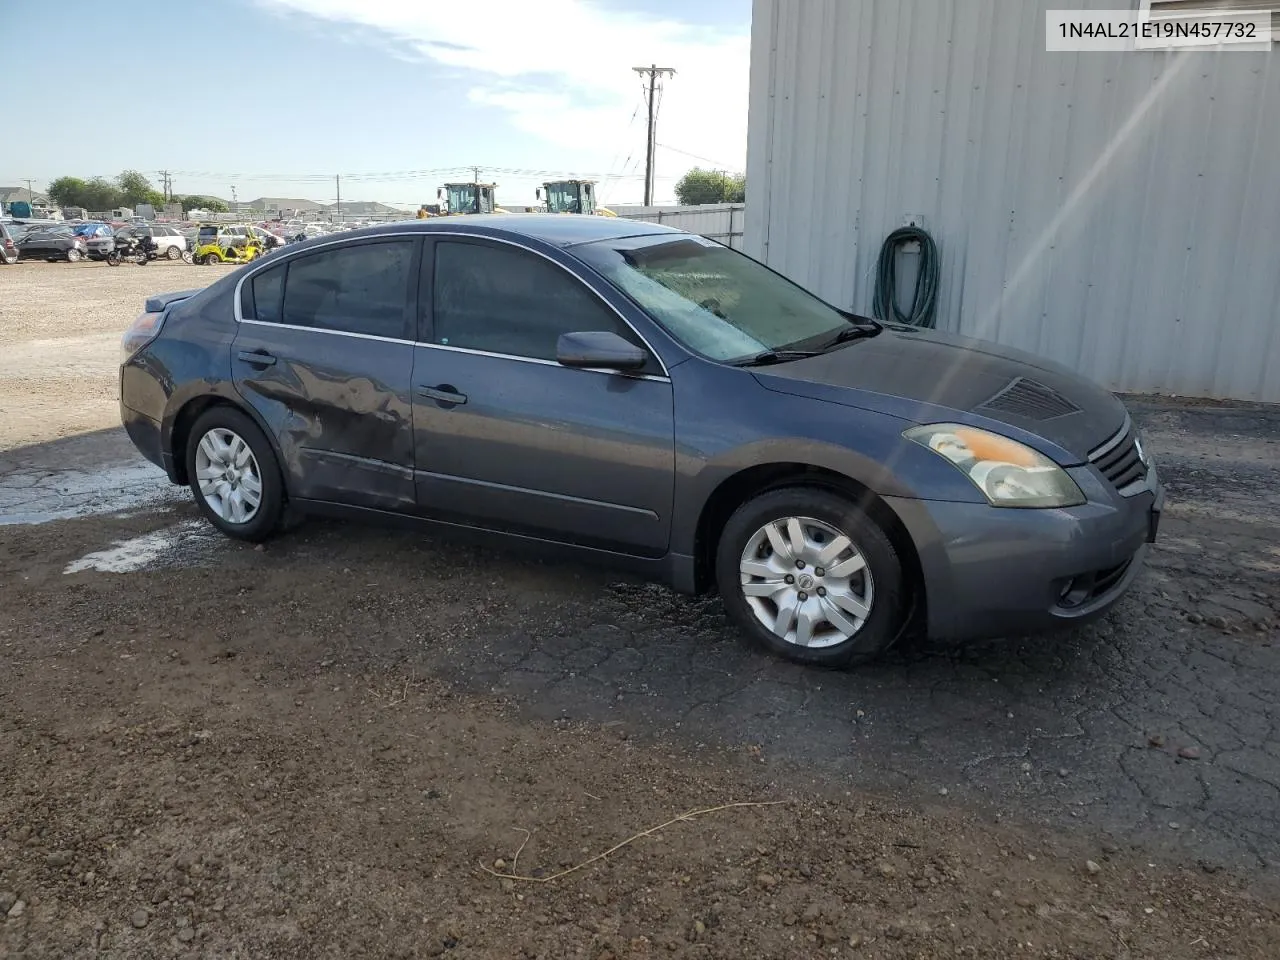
{"type": "Point", "coordinates": [129, 189]}
{"type": "Point", "coordinates": [700, 186]}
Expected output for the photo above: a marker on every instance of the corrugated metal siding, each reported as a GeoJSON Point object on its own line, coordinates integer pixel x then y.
{"type": "Point", "coordinates": [1116, 212]}
{"type": "Point", "coordinates": [718, 221]}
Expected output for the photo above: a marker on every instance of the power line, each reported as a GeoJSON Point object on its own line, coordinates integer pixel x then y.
{"type": "Point", "coordinates": [715, 163]}
{"type": "Point", "coordinates": [393, 175]}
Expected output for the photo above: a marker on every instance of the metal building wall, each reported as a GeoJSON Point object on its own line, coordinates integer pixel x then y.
{"type": "Point", "coordinates": [1116, 212]}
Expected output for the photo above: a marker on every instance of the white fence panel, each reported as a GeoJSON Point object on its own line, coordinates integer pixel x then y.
{"type": "Point", "coordinates": [722, 222]}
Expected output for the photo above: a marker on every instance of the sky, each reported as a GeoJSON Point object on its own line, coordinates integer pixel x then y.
{"type": "Point", "coordinates": [275, 97]}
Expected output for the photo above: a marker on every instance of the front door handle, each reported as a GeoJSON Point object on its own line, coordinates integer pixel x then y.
{"type": "Point", "coordinates": [258, 358]}
{"type": "Point", "coordinates": [444, 393]}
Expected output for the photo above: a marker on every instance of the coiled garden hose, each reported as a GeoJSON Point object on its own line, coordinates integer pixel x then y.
{"type": "Point", "coordinates": [925, 301]}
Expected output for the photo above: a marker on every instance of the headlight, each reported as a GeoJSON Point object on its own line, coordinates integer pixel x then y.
{"type": "Point", "coordinates": [1008, 473]}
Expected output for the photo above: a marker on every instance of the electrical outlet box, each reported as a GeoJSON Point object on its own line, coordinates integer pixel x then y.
{"type": "Point", "coordinates": [913, 220]}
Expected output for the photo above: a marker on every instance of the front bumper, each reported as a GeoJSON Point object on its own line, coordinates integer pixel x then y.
{"type": "Point", "coordinates": [995, 572]}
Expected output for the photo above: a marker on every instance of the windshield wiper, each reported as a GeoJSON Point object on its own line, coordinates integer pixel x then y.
{"type": "Point", "coordinates": [849, 333]}
{"type": "Point", "coordinates": [766, 357]}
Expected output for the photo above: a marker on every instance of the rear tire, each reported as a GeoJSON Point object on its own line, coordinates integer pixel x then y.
{"type": "Point", "coordinates": [230, 463]}
{"type": "Point", "coordinates": [73, 255]}
{"type": "Point", "coordinates": [823, 602]}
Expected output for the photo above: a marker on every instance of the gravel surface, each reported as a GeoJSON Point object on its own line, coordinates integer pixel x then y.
{"type": "Point", "coordinates": [60, 327]}
{"type": "Point", "coordinates": [317, 748]}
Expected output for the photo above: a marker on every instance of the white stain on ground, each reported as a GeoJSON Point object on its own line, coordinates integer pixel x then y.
{"type": "Point", "coordinates": [183, 544]}
{"type": "Point", "coordinates": [41, 496]}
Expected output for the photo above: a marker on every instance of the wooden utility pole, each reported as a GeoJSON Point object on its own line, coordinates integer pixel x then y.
{"type": "Point", "coordinates": [654, 73]}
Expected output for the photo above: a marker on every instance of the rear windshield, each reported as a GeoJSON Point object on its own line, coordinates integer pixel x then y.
{"type": "Point", "coordinates": [208, 233]}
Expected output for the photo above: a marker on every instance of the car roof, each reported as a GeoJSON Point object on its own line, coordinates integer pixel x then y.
{"type": "Point", "coordinates": [562, 230]}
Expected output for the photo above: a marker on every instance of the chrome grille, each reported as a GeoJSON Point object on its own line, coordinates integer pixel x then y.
{"type": "Point", "coordinates": [1120, 460]}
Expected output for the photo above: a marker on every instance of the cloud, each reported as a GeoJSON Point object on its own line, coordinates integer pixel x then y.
{"type": "Point", "coordinates": [561, 69]}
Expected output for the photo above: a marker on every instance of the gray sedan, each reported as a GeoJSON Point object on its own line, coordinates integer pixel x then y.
{"type": "Point", "coordinates": [646, 398]}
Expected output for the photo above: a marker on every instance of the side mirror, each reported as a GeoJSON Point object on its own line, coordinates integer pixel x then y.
{"type": "Point", "coordinates": [599, 348]}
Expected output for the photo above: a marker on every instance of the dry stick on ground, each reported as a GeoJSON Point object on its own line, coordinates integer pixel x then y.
{"type": "Point", "coordinates": [516, 858]}
{"type": "Point", "coordinates": [618, 846]}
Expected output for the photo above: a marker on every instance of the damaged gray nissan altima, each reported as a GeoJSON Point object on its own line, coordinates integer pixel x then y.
{"type": "Point", "coordinates": [645, 397]}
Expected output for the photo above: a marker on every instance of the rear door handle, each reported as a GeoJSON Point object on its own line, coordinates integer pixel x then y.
{"type": "Point", "coordinates": [445, 393]}
{"type": "Point", "coordinates": [258, 358]}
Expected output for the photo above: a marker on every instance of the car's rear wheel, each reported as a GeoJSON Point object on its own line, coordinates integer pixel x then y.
{"type": "Point", "coordinates": [811, 577]}
{"type": "Point", "coordinates": [234, 475]}
{"type": "Point", "coordinates": [173, 253]}
{"type": "Point", "coordinates": [73, 255]}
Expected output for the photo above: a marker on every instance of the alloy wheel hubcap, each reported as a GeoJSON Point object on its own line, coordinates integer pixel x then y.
{"type": "Point", "coordinates": [228, 475]}
{"type": "Point", "coordinates": [806, 582]}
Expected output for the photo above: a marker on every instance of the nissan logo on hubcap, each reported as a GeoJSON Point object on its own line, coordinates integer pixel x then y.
{"type": "Point", "coordinates": [805, 582]}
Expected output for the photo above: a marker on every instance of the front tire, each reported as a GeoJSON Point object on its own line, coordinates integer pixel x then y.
{"type": "Point", "coordinates": [234, 475]}
{"type": "Point", "coordinates": [73, 255]}
{"type": "Point", "coordinates": [811, 577]}
{"type": "Point", "coordinates": [173, 253]}
{"type": "Point", "coordinates": [113, 259]}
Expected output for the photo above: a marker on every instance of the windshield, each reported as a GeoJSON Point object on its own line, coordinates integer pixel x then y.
{"type": "Point", "coordinates": [208, 234]}
{"type": "Point", "coordinates": [461, 198]}
{"type": "Point", "coordinates": [716, 301]}
{"type": "Point", "coordinates": [563, 198]}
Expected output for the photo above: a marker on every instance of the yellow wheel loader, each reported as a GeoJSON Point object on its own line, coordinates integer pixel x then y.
{"type": "Point", "coordinates": [572, 196]}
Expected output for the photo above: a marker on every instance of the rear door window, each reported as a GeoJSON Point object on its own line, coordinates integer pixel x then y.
{"type": "Point", "coordinates": [362, 288]}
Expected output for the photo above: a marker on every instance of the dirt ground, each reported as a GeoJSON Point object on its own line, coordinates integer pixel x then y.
{"type": "Point", "coordinates": [340, 745]}
{"type": "Point", "coordinates": [60, 327]}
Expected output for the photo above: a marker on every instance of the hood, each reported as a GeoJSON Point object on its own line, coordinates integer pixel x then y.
{"type": "Point", "coordinates": [928, 377]}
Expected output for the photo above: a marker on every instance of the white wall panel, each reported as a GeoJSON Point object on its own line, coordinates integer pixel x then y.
{"type": "Point", "coordinates": [1116, 212]}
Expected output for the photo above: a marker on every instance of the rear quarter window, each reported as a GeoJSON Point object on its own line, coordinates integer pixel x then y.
{"type": "Point", "coordinates": [265, 295]}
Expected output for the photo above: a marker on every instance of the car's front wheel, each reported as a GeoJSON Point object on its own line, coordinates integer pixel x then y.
{"type": "Point", "coordinates": [234, 475]}
{"type": "Point", "coordinates": [174, 252]}
{"type": "Point", "coordinates": [73, 255]}
{"type": "Point", "coordinates": [811, 577]}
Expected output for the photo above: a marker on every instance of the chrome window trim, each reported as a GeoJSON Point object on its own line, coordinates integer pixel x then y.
{"type": "Point", "coordinates": [279, 259]}
{"type": "Point", "coordinates": [543, 362]}
{"type": "Point", "coordinates": [335, 333]}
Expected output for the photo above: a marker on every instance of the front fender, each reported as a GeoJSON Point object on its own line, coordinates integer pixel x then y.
{"type": "Point", "coordinates": [736, 430]}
